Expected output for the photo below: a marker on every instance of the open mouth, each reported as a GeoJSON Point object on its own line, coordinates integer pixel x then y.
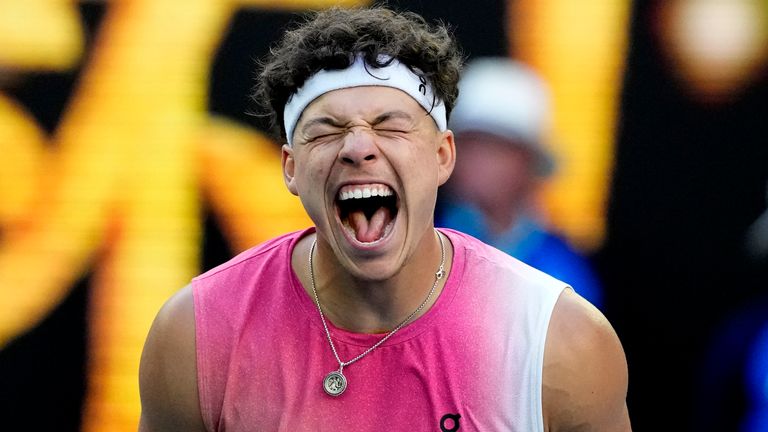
{"type": "Point", "coordinates": [367, 212]}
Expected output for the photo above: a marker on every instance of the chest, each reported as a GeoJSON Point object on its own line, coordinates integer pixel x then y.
{"type": "Point", "coordinates": [443, 378]}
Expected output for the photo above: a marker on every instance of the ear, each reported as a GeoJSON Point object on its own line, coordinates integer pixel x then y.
{"type": "Point", "coordinates": [289, 169]}
{"type": "Point", "coordinates": [446, 157]}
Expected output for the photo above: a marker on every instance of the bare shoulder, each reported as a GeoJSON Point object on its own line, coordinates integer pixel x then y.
{"type": "Point", "coordinates": [168, 371]}
{"type": "Point", "coordinates": [585, 370]}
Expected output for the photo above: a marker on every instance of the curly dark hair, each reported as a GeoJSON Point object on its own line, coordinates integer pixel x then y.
{"type": "Point", "coordinates": [331, 39]}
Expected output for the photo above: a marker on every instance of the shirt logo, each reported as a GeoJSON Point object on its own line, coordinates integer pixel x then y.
{"type": "Point", "coordinates": [450, 423]}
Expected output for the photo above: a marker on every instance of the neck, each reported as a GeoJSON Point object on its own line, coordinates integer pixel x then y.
{"type": "Point", "coordinates": [367, 306]}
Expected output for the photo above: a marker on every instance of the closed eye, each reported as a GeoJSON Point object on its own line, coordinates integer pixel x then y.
{"type": "Point", "coordinates": [392, 130]}
{"type": "Point", "coordinates": [320, 128]}
{"type": "Point", "coordinates": [324, 135]}
{"type": "Point", "coordinates": [394, 126]}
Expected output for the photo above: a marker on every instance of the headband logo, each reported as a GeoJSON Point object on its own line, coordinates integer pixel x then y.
{"type": "Point", "coordinates": [423, 85]}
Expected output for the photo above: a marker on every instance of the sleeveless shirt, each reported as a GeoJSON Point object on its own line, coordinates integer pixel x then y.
{"type": "Point", "coordinates": [472, 362]}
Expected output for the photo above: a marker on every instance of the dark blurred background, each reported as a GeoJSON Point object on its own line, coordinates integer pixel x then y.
{"type": "Point", "coordinates": [679, 247]}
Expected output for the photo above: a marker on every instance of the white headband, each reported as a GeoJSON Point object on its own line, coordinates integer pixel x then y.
{"type": "Point", "coordinates": [358, 74]}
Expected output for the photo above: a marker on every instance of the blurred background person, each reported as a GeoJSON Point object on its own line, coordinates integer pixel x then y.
{"type": "Point", "coordinates": [731, 391]}
{"type": "Point", "coordinates": [501, 121]}
{"type": "Point", "coordinates": [756, 382]}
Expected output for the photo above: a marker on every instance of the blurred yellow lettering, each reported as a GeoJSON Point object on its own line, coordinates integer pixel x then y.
{"type": "Point", "coordinates": [118, 193]}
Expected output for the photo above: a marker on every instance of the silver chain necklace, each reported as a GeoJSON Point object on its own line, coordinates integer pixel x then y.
{"type": "Point", "coordinates": [335, 382]}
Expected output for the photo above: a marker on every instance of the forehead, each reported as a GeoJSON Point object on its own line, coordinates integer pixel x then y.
{"type": "Point", "coordinates": [362, 102]}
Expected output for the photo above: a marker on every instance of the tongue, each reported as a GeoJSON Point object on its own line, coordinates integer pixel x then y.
{"type": "Point", "coordinates": [367, 231]}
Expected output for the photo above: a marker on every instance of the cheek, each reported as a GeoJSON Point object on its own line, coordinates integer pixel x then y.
{"type": "Point", "coordinates": [311, 173]}
{"type": "Point", "coordinates": [419, 174]}
{"type": "Point", "coordinates": [315, 177]}
{"type": "Point", "coordinates": [311, 187]}
{"type": "Point", "coordinates": [421, 183]}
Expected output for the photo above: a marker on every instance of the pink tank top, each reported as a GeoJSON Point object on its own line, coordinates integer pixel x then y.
{"type": "Point", "coordinates": [473, 362]}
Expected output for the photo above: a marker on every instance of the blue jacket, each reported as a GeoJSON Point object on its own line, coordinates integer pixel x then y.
{"type": "Point", "coordinates": [531, 243]}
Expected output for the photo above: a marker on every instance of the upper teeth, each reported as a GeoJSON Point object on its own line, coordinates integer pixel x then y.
{"type": "Point", "coordinates": [367, 191]}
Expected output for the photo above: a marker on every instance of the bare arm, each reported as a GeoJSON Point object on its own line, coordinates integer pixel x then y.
{"type": "Point", "coordinates": [168, 371]}
{"type": "Point", "coordinates": [585, 371]}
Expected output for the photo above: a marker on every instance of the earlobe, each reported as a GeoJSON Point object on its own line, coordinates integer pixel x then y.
{"type": "Point", "coordinates": [446, 157]}
{"type": "Point", "coordinates": [289, 169]}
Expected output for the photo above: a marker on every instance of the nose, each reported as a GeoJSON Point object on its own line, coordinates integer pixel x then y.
{"type": "Point", "coordinates": [359, 147]}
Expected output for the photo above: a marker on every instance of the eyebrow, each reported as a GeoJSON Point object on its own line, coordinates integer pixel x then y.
{"type": "Point", "coordinates": [390, 115]}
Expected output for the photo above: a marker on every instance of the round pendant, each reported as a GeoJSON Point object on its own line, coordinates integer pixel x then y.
{"type": "Point", "coordinates": [335, 383]}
